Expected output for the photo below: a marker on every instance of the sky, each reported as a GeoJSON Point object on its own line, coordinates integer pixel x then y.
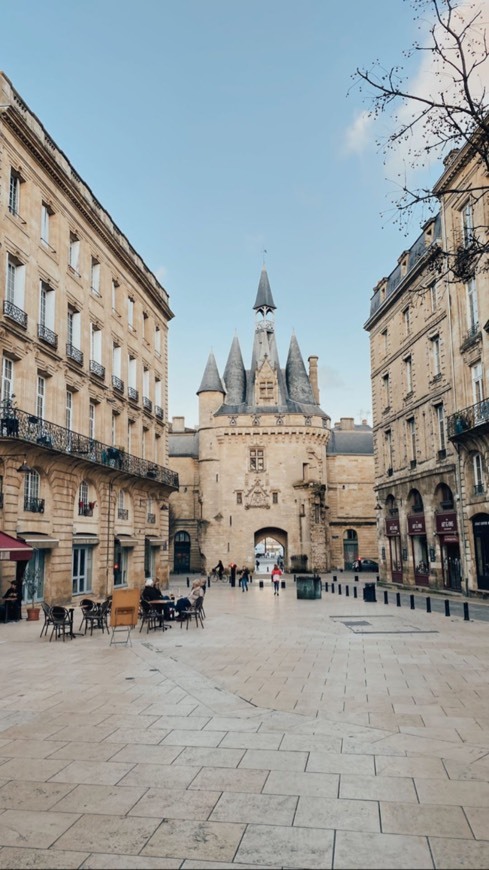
{"type": "Point", "coordinates": [222, 134]}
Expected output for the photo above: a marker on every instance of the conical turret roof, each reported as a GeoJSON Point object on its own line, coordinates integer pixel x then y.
{"type": "Point", "coordinates": [264, 298]}
{"type": "Point", "coordinates": [235, 375]}
{"type": "Point", "coordinates": [211, 379]}
{"type": "Point", "coordinates": [298, 383]}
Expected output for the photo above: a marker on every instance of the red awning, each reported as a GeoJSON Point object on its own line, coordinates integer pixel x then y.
{"type": "Point", "coordinates": [14, 549]}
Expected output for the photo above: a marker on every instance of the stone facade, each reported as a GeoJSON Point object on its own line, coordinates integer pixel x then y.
{"type": "Point", "coordinates": [429, 371]}
{"type": "Point", "coordinates": [258, 465]}
{"type": "Point", "coordinates": [83, 341]}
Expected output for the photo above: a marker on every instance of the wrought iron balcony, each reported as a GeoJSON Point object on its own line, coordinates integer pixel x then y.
{"type": "Point", "coordinates": [159, 412]}
{"type": "Point", "coordinates": [479, 489]}
{"type": "Point", "coordinates": [132, 394]}
{"type": "Point", "coordinates": [97, 368]}
{"type": "Point", "coordinates": [465, 422]}
{"type": "Point", "coordinates": [35, 505]}
{"type": "Point", "coordinates": [147, 404]}
{"type": "Point", "coordinates": [472, 336]}
{"type": "Point", "coordinates": [10, 310]}
{"type": "Point", "coordinates": [122, 514]}
{"type": "Point", "coordinates": [19, 426]}
{"type": "Point", "coordinates": [47, 335]}
{"type": "Point", "coordinates": [117, 384]}
{"type": "Point", "coordinates": [73, 353]}
{"type": "Point", "coordinates": [85, 509]}
{"type": "Point", "coordinates": [151, 519]}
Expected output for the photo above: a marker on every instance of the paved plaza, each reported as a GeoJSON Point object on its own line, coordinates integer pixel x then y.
{"type": "Point", "coordinates": [331, 733]}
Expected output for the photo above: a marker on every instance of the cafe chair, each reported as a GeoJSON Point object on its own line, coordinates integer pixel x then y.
{"type": "Point", "coordinates": [47, 618]}
{"type": "Point", "coordinates": [149, 616]}
{"type": "Point", "coordinates": [60, 621]}
{"type": "Point", "coordinates": [194, 611]}
{"type": "Point", "coordinates": [97, 617]}
{"type": "Point", "coordinates": [87, 605]}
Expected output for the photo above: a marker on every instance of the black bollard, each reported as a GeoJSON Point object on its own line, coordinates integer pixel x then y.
{"type": "Point", "coordinates": [355, 592]}
{"type": "Point", "coordinates": [326, 586]}
{"type": "Point", "coordinates": [188, 582]}
{"type": "Point", "coordinates": [334, 578]}
{"type": "Point", "coordinates": [398, 599]}
{"type": "Point", "coordinates": [339, 588]}
{"type": "Point", "coordinates": [386, 597]}
{"type": "Point", "coordinates": [447, 607]}
{"type": "Point", "coordinates": [411, 597]}
{"type": "Point", "coordinates": [347, 591]}
{"type": "Point", "coordinates": [209, 582]}
{"type": "Point", "coordinates": [332, 587]}
{"type": "Point", "coordinates": [260, 584]}
{"type": "Point", "coordinates": [428, 605]}
{"type": "Point", "coordinates": [282, 584]}
{"type": "Point", "coordinates": [356, 578]}
{"type": "Point", "coordinates": [294, 578]}
{"type": "Point", "coordinates": [466, 612]}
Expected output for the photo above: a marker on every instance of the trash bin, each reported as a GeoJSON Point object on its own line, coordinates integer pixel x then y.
{"type": "Point", "coordinates": [369, 592]}
{"type": "Point", "coordinates": [308, 587]}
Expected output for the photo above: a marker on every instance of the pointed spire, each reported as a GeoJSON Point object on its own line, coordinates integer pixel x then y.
{"type": "Point", "coordinates": [264, 298]}
{"type": "Point", "coordinates": [211, 380]}
{"type": "Point", "coordinates": [298, 383]}
{"type": "Point", "coordinates": [235, 375]}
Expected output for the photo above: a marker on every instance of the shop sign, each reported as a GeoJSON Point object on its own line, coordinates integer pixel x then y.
{"type": "Point", "coordinates": [392, 527]}
{"type": "Point", "coordinates": [416, 525]}
{"type": "Point", "coordinates": [446, 524]}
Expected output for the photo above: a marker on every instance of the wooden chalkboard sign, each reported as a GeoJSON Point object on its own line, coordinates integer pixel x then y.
{"type": "Point", "coordinates": [124, 611]}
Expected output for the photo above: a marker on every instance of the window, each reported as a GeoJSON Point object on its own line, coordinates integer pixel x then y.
{"type": "Point", "coordinates": [130, 312]}
{"type": "Point", "coordinates": [92, 418]}
{"type": "Point", "coordinates": [257, 459]}
{"type": "Point", "coordinates": [411, 434]}
{"type": "Point", "coordinates": [122, 511]}
{"type": "Point", "coordinates": [132, 374]}
{"type": "Point", "coordinates": [384, 338]}
{"type": "Point", "coordinates": [46, 214]}
{"type": "Point", "coordinates": [388, 450]}
{"type": "Point", "coordinates": [239, 498]}
{"type": "Point", "coordinates": [113, 428]}
{"type": "Point", "coordinates": [467, 216]}
{"type": "Point", "coordinates": [407, 320]}
{"type": "Point", "coordinates": [432, 297]}
{"type": "Point", "coordinates": [7, 379]}
{"type": "Point", "coordinates": [478, 474]}
{"type": "Point", "coordinates": [115, 288]}
{"type": "Point", "coordinates": [440, 422]}
{"type": "Point", "coordinates": [116, 360]}
{"type": "Point", "coordinates": [14, 192]}
{"type": "Point", "coordinates": [95, 277]}
{"type": "Point", "coordinates": [477, 384]}
{"type": "Point", "coordinates": [95, 343]}
{"type": "Point", "coordinates": [158, 340]}
{"type": "Point", "coordinates": [435, 353]}
{"type": "Point", "coordinates": [74, 254]}
{"type": "Point", "coordinates": [472, 306]}
{"type": "Point", "coordinates": [41, 397]}
{"type": "Point", "coordinates": [146, 385]}
{"type": "Point", "coordinates": [274, 497]}
{"type": "Point", "coordinates": [82, 570]}
{"type": "Point", "coordinates": [46, 306]}
{"type": "Point", "coordinates": [15, 283]}
{"type": "Point", "coordinates": [385, 391]}
{"type": "Point", "coordinates": [145, 326]}
{"type": "Point", "coordinates": [82, 497]}
{"type": "Point", "coordinates": [32, 502]}
{"type": "Point", "coordinates": [69, 410]}
{"type": "Point", "coordinates": [266, 391]}
{"type": "Point", "coordinates": [73, 327]}
{"type": "Point", "coordinates": [408, 372]}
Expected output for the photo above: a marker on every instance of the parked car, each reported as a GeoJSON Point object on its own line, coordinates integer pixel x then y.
{"type": "Point", "coordinates": [365, 565]}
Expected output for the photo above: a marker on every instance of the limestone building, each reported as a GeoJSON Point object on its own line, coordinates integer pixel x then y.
{"type": "Point", "coordinates": [428, 329]}
{"type": "Point", "coordinates": [257, 467]}
{"type": "Point", "coordinates": [83, 343]}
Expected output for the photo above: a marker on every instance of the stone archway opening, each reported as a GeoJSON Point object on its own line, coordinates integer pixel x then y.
{"type": "Point", "coordinates": [270, 546]}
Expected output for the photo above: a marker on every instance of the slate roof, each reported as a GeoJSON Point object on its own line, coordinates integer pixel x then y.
{"type": "Point", "coordinates": [183, 444]}
{"type": "Point", "coordinates": [359, 441]}
{"type": "Point", "coordinates": [211, 379]}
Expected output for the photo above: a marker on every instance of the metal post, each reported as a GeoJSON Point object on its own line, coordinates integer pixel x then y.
{"type": "Point", "coordinates": [347, 591]}
{"type": "Point", "coordinates": [356, 578]}
{"type": "Point", "coordinates": [355, 592]}
{"type": "Point", "coordinates": [466, 611]}
{"type": "Point", "coordinates": [209, 582]}
{"type": "Point", "coordinates": [412, 601]}
{"type": "Point", "coordinates": [428, 605]}
{"type": "Point", "coordinates": [188, 582]}
{"type": "Point", "coordinates": [332, 587]}
{"type": "Point", "coordinates": [339, 588]}
{"type": "Point", "coordinates": [334, 578]}
{"type": "Point", "coordinates": [326, 586]}
{"type": "Point", "coordinates": [398, 599]}
{"type": "Point", "coordinates": [386, 597]}
{"type": "Point", "coordinates": [447, 607]}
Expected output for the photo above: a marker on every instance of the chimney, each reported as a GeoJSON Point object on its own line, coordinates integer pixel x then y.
{"type": "Point", "coordinates": [178, 424]}
{"type": "Point", "coordinates": [347, 423]}
{"type": "Point", "coordinates": [313, 377]}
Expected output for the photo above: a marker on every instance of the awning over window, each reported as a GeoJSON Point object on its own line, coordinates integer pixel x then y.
{"type": "Point", "coordinates": [85, 540]}
{"type": "Point", "coordinates": [154, 541]}
{"type": "Point", "coordinates": [126, 541]}
{"type": "Point", "coordinates": [14, 549]}
{"type": "Point", "coordinates": [40, 541]}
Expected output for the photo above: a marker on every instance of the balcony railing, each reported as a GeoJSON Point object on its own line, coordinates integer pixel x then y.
{"type": "Point", "coordinates": [151, 519]}
{"type": "Point", "coordinates": [85, 509]}
{"type": "Point", "coordinates": [132, 394]}
{"type": "Point", "coordinates": [464, 422]}
{"type": "Point", "coordinates": [479, 489]}
{"type": "Point", "coordinates": [97, 368]}
{"type": "Point", "coordinates": [147, 404]}
{"type": "Point", "coordinates": [117, 384]}
{"type": "Point", "coordinates": [47, 335]}
{"type": "Point", "coordinates": [74, 353]}
{"type": "Point", "coordinates": [35, 505]}
{"type": "Point", "coordinates": [22, 427]}
{"type": "Point", "coordinates": [10, 310]}
{"type": "Point", "coordinates": [159, 412]}
{"type": "Point", "coordinates": [122, 514]}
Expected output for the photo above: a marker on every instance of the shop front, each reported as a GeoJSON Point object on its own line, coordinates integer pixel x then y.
{"type": "Point", "coordinates": [480, 525]}
{"type": "Point", "coordinates": [447, 532]}
{"type": "Point", "coordinates": [419, 549]}
{"type": "Point", "coordinates": [393, 534]}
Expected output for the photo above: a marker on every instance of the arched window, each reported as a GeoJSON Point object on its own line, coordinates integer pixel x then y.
{"type": "Point", "coordinates": [478, 474]}
{"type": "Point", "coordinates": [122, 511]}
{"type": "Point", "coordinates": [32, 502]}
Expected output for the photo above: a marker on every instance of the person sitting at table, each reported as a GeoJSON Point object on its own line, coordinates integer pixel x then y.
{"type": "Point", "coordinates": [10, 606]}
{"type": "Point", "coordinates": [189, 600]}
{"type": "Point", "coordinates": [151, 593]}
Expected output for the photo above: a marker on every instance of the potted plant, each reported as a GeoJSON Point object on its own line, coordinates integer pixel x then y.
{"type": "Point", "coordinates": [32, 583]}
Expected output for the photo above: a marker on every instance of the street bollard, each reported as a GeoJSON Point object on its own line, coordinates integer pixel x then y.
{"type": "Point", "coordinates": [356, 578]}
{"type": "Point", "coordinates": [209, 582]}
{"type": "Point", "coordinates": [339, 588]}
{"type": "Point", "coordinates": [411, 597]}
{"type": "Point", "coordinates": [332, 587]}
{"type": "Point", "coordinates": [386, 597]}
{"type": "Point", "coordinates": [355, 592]}
{"type": "Point", "coordinates": [447, 607]}
{"type": "Point", "coordinates": [188, 582]}
{"type": "Point", "coordinates": [347, 591]}
{"type": "Point", "coordinates": [428, 605]}
{"type": "Point", "coordinates": [260, 584]}
{"type": "Point", "coordinates": [334, 578]}
{"type": "Point", "coordinates": [326, 586]}
{"type": "Point", "coordinates": [282, 584]}
{"type": "Point", "coordinates": [398, 599]}
{"type": "Point", "coordinates": [466, 612]}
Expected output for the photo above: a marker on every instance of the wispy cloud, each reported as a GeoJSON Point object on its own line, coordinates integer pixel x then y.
{"type": "Point", "coordinates": [161, 274]}
{"type": "Point", "coordinates": [359, 136]}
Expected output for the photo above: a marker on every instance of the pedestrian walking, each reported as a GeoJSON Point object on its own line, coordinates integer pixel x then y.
{"type": "Point", "coordinates": [244, 578]}
{"type": "Point", "coordinates": [276, 575]}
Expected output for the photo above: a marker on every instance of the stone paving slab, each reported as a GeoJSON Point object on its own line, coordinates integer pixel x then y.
{"type": "Point", "coordinates": [277, 737]}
